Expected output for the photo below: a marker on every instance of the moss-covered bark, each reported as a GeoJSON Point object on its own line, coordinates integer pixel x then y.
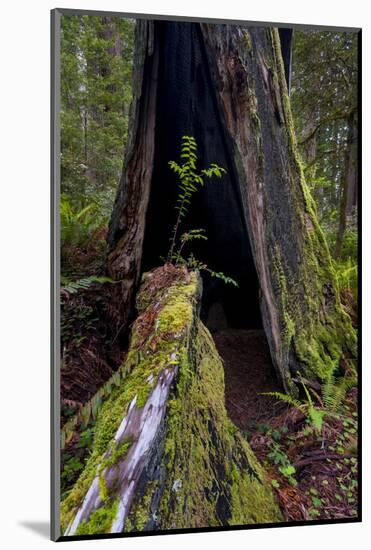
{"type": "Point", "coordinates": [165, 454]}
{"type": "Point", "coordinates": [307, 329]}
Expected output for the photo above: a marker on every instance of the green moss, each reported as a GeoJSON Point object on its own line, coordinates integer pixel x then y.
{"type": "Point", "coordinates": [246, 41]}
{"type": "Point", "coordinates": [160, 350]}
{"type": "Point", "coordinates": [212, 476]}
{"type": "Point", "coordinates": [100, 520]}
{"type": "Point", "coordinates": [140, 512]}
{"type": "Point", "coordinates": [117, 451]}
{"type": "Point", "coordinates": [313, 323]}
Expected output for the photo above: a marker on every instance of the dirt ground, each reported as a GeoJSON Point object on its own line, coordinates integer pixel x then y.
{"type": "Point", "coordinates": [248, 373]}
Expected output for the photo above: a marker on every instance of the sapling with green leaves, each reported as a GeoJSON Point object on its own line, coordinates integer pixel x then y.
{"type": "Point", "coordinates": [190, 181]}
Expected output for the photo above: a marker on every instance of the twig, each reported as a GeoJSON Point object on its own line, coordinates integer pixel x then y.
{"type": "Point", "coordinates": [307, 461]}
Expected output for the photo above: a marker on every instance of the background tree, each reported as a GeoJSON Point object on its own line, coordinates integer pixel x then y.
{"type": "Point", "coordinates": [96, 62]}
{"type": "Point", "coordinates": [324, 104]}
{"type": "Point", "coordinates": [96, 67]}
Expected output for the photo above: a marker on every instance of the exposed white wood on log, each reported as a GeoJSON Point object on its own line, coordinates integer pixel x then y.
{"type": "Point", "coordinates": [140, 425]}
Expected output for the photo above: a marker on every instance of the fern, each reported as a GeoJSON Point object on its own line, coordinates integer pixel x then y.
{"type": "Point", "coordinates": [79, 223]}
{"type": "Point", "coordinates": [91, 409]}
{"type": "Point", "coordinates": [333, 392]}
{"type": "Point", "coordinates": [347, 275]}
{"type": "Point", "coordinates": [190, 182]}
{"type": "Point", "coordinates": [315, 415]}
{"type": "Point", "coordinates": [72, 287]}
{"type": "Point", "coordinates": [285, 398]}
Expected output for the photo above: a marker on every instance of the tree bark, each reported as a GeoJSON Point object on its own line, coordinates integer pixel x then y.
{"type": "Point", "coordinates": [349, 188]}
{"type": "Point", "coordinates": [127, 224]}
{"type": "Point", "coordinates": [267, 202]}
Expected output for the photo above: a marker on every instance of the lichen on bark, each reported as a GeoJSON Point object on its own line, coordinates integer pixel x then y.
{"type": "Point", "coordinates": [307, 329]}
{"type": "Point", "coordinates": [320, 332]}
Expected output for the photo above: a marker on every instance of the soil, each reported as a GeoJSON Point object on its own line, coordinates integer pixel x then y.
{"type": "Point", "coordinates": [325, 481]}
{"type": "Point", "coordinates": [248, 373]}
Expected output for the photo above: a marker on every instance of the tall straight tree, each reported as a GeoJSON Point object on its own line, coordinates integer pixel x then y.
{"type": "Point", "coordinates": [324, 103]}
{"type": "Point", "coordinates": [226, 86]}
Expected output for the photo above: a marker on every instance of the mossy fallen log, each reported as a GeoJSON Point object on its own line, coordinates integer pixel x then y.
{"type": "Point", "coordinates": [165, 454]}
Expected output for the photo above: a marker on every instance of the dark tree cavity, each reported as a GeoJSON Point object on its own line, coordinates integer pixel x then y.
{"type": "Point", "coordinates": [227, 86]}
{"type": "Point", "coordinates": [186, 105]}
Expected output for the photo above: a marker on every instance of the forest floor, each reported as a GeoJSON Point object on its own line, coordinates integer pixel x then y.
{"type": "Point", "coordinates": [314, 475]}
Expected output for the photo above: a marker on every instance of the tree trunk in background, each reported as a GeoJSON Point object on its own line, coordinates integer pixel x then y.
{"type": "Point", "coordinates": [243, 76]}
{"type": "Point", "coordinates": [349, 190]}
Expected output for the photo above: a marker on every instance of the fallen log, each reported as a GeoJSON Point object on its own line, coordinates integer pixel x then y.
{"type": "Point", "coordinates": [165, 454]}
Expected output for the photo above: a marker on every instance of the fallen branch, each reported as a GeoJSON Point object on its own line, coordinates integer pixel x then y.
{"type": "Point", "coordinates": [307, 461]}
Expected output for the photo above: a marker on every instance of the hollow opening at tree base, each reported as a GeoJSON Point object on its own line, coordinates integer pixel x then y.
{"type": "Point", "coordinates": [248, 372]}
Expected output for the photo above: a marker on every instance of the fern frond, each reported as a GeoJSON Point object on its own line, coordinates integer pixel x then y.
{"type": "Point", "coordinates": [72, 287]}
{"type": "Point", "coordinates": [285, 398]}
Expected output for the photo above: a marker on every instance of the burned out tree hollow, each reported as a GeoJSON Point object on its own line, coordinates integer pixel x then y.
{"type": "Point", "coordinates": [186, 105]}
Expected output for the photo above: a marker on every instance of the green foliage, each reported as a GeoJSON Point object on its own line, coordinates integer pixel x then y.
{"type": "Point", "coordinates": [279, 458]}
{"type": "Point", "coordinates": [72, 287]}
{"type": "Point", "coordinates": [329, 403]}
{"type": "Point", "coordinates": [79, 223]}
{"type": "Point", "coordinates": [86, 415]}
{"type": "Point", "coordinates": [334, 391]}
{"type": "Point", "coordinates": [324, 107]}
{"type": "Point", "coordinates": [82, 230]}
{"type": "Point", "coordinates": [96, 69]}
{"type": "Point", "coordinates": [86, 439]}
{"type": "Point", "coordinates": [96, 91]}
{"type": "Point", "coordinates": [72, 467]}
{"type": "Point", "coordinates": [190, 181]}
{"type": "Point", "coordinates": [313, 414]}
{"type": "Point", "coordinates": [77, 320]}
{"type": "Point", "coordinates": [286, 398]}
{"type": "Point", "coordinates": [193, 263]}
{"type": "Point", "coordinates": [347, 276]}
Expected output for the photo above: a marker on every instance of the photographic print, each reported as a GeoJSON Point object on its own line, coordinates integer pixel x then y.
{"type": "Point", "coordinates": [205, 236]}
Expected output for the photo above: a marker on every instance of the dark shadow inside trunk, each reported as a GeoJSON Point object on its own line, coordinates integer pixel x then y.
{"type": "Point", "coordinates": [187, 106]}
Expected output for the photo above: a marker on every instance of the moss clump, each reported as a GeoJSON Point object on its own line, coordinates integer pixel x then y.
{"type": "Point", "coordinates": [117, 452]}
{"type": "Point", "coordinates": [100, 520]}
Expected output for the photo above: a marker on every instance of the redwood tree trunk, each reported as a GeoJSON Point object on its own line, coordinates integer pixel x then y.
{"type": "Point", "coordinates": [226, 86]}
{"type": "Point", "coordinates": [349, 191]}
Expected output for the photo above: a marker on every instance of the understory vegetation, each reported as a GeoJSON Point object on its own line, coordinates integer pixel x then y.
{"type": "Point", "coordinates": [311, 454]}
{"type": "Point", "coordinates": [190, 182]}
{"type": "Point", "coordinates": [308, 445]}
